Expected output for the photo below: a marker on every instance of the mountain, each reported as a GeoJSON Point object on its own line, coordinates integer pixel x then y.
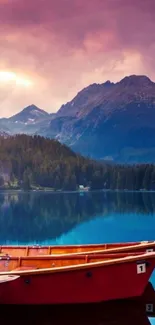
{"type": "Point", "coordinates": [85, 99]}
{"type": "Point", "coordinates": [110, 121]}
{"type": "Point", "coordinates": [29, 115]}
{"type": "Point", "coordinates": [28, 121]}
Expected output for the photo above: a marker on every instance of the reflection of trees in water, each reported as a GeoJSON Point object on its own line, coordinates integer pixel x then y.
{"type": "Point", "coordinates": [39, 216]}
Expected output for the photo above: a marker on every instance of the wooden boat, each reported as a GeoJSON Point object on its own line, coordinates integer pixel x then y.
{"type": "Point", "coordinates": [14, 250]}
{"type": "Point", "coordinates": [75, 280]}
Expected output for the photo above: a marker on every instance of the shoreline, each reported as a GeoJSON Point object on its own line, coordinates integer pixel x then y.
{"type": "Point", "coordinates": [71, 191]}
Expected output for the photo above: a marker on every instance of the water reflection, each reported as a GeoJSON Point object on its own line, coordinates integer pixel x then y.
{"type": "Point", "coordinates": [109, 314]}
{"type": "Point", "coordinates": [40, 217]}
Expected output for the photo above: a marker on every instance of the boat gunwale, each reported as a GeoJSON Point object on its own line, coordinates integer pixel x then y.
{"type": "Point", "coordinates": [139, 259]}
{"type": "Point", "coordinates": [123, 244]}
{"type": "Point", "coordinates": [100, 251]}
{"type": "Point", "coordinates": [71, 256]}
{"type": "Point", "coordinates": [110, 250]}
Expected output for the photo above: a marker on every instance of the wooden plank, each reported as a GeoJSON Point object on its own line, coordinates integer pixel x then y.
{"type": "Point", "coordinates": [24, 268]}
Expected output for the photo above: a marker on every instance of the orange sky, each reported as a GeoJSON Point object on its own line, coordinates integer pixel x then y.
{"type": "Point", "coordinates": [51, 49]}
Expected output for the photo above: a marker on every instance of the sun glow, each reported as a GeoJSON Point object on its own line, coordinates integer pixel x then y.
{"type": "Point", "coordinates": [7, 76]}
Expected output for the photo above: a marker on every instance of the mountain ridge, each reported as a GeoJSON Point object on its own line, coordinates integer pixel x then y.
{"type": "Point", "coordinates": [114, 120]}
{"type": "Point", "coordinates": [110, 120]}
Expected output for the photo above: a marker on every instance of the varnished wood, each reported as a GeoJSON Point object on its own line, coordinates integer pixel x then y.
{"type": "Point", "coordinates": [74, 249]}
{"type": "Point", "coordinates": [44, 264]}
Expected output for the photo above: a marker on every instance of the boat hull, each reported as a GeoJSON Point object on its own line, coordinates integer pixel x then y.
{"type": "Point", "coordinates": [90, 284]}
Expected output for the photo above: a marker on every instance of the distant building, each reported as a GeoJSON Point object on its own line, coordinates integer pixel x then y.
{"type": "Point", "coordinates": [82, 188]}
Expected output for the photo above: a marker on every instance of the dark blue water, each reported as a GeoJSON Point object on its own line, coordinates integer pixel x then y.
{"type": "Point", "coordinates": [73, 218]}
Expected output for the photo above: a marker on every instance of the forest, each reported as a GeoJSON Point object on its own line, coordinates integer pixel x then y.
{"type": "Point", "coordinates": [34, 162]}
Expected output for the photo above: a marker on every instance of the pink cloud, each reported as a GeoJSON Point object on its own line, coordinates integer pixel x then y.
{"type": "Point", "coordinates": [63, 45]}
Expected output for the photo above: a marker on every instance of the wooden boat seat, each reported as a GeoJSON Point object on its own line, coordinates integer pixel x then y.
{"type": "Point", "coordinates": [24, 268]}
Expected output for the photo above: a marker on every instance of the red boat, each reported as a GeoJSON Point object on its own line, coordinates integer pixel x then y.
{"type": "Point", "coordinates": [90, 282]}
{"type": "Point", "coordinates": [19, 250]}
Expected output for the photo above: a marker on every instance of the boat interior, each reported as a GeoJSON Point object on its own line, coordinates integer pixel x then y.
{"type": "Point", "coordinates": [17, 263]}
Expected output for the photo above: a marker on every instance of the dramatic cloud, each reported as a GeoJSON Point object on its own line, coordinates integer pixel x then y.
{"type": "Point", "coordinates": [53, 48]}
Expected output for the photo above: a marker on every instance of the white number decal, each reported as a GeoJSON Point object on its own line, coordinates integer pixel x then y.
{"type": "Point", "coordinates": [149, 308]}
{"type": "Point", "coordinates": [149, 250]}
{"type": "Point", "coordinates": [141, 268]}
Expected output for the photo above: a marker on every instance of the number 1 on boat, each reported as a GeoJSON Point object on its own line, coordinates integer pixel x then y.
{"type": "Point", "coordinates": [141, 268]}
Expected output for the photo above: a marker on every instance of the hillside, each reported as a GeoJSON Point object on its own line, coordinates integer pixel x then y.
{"type": "Point", "coordinates": [30, 159]}
{"type": "Point", "coordinates": [35, 162]}
{"type": "Point", "coordinates": [110, 121]}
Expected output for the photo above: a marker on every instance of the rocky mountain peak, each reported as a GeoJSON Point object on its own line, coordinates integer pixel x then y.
{"type": "Point", "coordinates": [30, 114]}
{"type": "Point", "coordinates": [136, 80]}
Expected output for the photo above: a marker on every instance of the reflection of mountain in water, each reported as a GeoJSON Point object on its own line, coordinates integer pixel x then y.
{"type": "Point", "coordinates": [36, 217]}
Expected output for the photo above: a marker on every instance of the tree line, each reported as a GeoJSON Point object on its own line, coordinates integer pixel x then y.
{"type": "Point", "coordinates": [34, 161]}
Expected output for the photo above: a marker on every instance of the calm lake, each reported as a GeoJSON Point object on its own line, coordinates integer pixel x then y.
{"type": "Point", "coordinates": [75, 218]}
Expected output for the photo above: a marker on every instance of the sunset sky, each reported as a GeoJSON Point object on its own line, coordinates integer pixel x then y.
{"type": "Point", "coordinates": [51, 49]}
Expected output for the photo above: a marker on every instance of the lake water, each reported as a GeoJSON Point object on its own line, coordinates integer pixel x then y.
{"type": "Point", "coordinates": [76, 218]}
